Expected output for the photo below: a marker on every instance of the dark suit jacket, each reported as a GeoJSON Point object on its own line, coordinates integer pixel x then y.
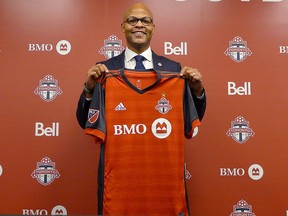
{"type": "Point", "coordinates": [159, 62]}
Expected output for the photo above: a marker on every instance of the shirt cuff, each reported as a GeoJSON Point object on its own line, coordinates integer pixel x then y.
{"type": "Point", "coordinates": [202, 96]}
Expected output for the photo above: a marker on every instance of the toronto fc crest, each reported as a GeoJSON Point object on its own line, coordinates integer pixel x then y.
{"type": "Point", "coordinates": [240, 130]}
{"type": "Point", "coordinates": [112, 47]}
{"type": "Point", "coordinates": [238, 50]}
{"type": "Point", "coordinates": [45, 172]}
{"type": "Point", "coordinates": [163, 105]}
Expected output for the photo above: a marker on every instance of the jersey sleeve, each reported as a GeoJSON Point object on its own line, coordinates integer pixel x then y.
{"type": "Point", "coordinates": [96, 124]}
{"type": "Point", "coordinates": [191, 118]}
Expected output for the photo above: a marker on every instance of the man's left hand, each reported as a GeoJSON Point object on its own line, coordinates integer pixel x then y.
{"type": "Point", "coordinates": [195, 80]}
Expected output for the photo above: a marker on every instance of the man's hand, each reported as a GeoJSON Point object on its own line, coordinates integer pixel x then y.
{"type": "Point", "coordinates": [93, 73]}
{"type": "Point", "coordinates": [195, 80]}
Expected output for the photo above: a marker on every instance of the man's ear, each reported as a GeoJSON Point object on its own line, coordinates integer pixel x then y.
{"type": "Point", "coordinates": [122, 27]}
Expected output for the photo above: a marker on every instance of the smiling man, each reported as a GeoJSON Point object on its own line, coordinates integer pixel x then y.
{"type": "Point", "coordinates": [138, 28]}
{"type": "Point", "coordinates": [137, 177]}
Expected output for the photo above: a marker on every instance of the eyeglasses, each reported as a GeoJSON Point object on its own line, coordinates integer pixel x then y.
{"type": "Point", "coordinates": [134, 20]}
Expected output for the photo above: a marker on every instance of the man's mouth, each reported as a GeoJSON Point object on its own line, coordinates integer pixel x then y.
{"type": "Point", "coordinates": [139, 33]}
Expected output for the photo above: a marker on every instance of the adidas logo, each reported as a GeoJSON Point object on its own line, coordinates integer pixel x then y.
{"type": "Point", "coordinates": [120, 107]}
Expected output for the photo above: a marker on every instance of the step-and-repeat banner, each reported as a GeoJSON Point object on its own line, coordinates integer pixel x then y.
{"type": "Point", "coordinates": [236, 164]}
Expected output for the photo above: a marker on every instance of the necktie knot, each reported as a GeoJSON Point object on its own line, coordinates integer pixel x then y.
{"type": "Point", "coordinates": [139, 62]}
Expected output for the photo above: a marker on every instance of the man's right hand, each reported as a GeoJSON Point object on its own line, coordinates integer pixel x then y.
{"type": "Point", "coordinates": [93, 73]}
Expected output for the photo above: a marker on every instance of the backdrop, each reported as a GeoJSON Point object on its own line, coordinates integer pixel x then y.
{"type": "Point", "coordinates": [236, 163]}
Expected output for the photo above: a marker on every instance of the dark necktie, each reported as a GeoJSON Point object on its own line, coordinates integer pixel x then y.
{"type": "Point", "coordinates": [139, 62]}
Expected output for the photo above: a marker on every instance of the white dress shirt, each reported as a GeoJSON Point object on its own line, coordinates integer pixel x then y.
{"type": "Point", "coordinates": [130, 62]}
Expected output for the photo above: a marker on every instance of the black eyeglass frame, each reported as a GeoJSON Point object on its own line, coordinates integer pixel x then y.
{"type": "Point", "coordinates": [143, 20]}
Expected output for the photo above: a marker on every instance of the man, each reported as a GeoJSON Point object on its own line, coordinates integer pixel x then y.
{"type": "Point", "coordinates": [138, 28]}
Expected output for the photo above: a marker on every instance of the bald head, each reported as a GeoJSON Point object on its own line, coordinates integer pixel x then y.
{"type": "Point", "coordinates": [136, 9]}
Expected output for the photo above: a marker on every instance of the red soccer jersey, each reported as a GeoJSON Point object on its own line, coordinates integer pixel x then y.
{"type": "Point", "coordinates": [142, 118]}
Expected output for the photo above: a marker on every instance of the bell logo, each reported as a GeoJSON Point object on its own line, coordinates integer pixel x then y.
{"type": "Point", "coordinates": [177, 50]}
{"type": "Point", "coordinates": [241, 90]}
{"type": "Point", "coordinates": [48, 131]}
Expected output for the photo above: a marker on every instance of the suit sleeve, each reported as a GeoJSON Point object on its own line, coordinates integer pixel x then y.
{"type": "Point", "coordinates": [82, 110]}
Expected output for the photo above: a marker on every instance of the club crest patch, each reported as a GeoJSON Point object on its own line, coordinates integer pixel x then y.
{"type": "Point", "coordinates": [163, 105]}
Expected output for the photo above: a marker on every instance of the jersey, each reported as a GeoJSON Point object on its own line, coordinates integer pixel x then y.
{"type": "Point", "coordinates": [142, 118]}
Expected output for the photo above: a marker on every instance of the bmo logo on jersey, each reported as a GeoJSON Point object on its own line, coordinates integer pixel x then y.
{"type": "Point", "coordinates": [132, 129]}
{"type": "Point", "coordinates": [161, 128]}
{"type": "Point", "coordinates": [233, 89]}
{"type": "Point", "coordinates": [41, 130]}
{"type": "Point", "coordinates": [180, 49]}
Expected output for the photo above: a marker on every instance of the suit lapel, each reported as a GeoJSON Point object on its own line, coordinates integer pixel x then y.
{"type": "Point", "coordinates": [119, 61]}
{"type": "Point", "coordinates": [157, 62]}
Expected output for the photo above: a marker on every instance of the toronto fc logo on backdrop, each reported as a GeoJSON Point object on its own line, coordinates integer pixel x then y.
{"type": "Point", "coordinates": [45, 172]}
{"type": "Point", "coordinates": [238, 50]}
{"type": "Point", "coordinates": [242, 209]}
{"type": "Point", "coordinates": [48, 88]}
{"type": "Point", "coordinates": [112, 47]}
{"type": "Point", "coordinates": [240, 130]}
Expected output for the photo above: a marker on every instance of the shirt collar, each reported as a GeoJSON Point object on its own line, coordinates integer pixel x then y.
{"type": "Point", "coordinates": [129, 54]}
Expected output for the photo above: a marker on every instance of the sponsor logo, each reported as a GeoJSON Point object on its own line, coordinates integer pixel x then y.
{"type": "Point", "coordinates": [240, 130]}
{"type": "Point", "coordinates": [34, 212]}
{"type": "Point", "coordinates": [241, 90]}
{"type": "Point", "coordinates": [283, 49]}
{"type": "Point", "coordinates": [93, 115]}
{"type": "Point", "coordinates": [120, 107]}
{"type": "Point", "coordinates": [48, 88]}
{"type": "Point", "coordinates": [63, 47]}
{"type": "Point", "coordinates": [242, 209]}
{"type": "Point", "coordinates": [232, 172]}
{"type": "Point", "coordinates": [163, 105]}
{"type": "Point", "coordinates": [161, 128]}
{"type": "Point", "coordinates": [45, 172]}
{"type": "Point", "coordinates": [255, 172]}
{"type": "Point", "coordinates": [112, 47]}
{"type": "Point", "coordinates": [182, 49]}
{"type": "Point", "coordinates": [238, 50]}
{"type": "Point", "coordinates": [48, 131]}
{"type": "Point", "coordinates": [133, 129]}
{"type": "Point", "coordinates": [57, 210]}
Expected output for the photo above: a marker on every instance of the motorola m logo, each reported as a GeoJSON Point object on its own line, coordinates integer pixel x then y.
{"type": "Point", "coordinates": [63, 47]}
{"type": "Point", "coordinates": [255, 172]}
